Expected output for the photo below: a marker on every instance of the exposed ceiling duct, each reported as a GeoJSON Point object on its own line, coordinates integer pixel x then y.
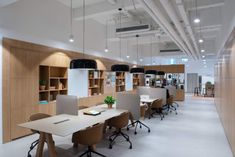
{"type": "Point", "coordinates": [173, 16]}
{"type": "Point", "coordinates": [186, 22]}
{"type": "Point", "coordinates": [158, 16]}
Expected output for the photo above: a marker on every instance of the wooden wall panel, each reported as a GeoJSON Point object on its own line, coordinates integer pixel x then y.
{"type": "Point", "coordinates": [21, 62]}
{"type": "Point", "coordinates": [177, 68]}
{"type": "Point", "coordinates": [225, 89]}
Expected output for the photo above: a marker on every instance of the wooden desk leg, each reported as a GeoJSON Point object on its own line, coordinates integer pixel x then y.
{"type": "Point", "coordinates": [40, 146]}
{"type": "Point", "coordinates": [51, 145]}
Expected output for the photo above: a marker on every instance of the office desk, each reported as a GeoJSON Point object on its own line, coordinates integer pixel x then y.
{"type": "Point", "coordinates": [64, 125]}
{"type": "Point", "coordinates": [149, 102]}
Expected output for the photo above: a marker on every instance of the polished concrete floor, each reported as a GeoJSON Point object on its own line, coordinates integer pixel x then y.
{"type": "Point", "coordinates": [195, 132]}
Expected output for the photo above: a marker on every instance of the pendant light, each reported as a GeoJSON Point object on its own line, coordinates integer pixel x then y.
{"type": "Point", "coordinates": [106, 37]}
{"type": "Point", "coordinates": [197, 19]}
{"type": "Point", "coordinates": [86, 64]}
{"type": "Point", "coordinates": [71, 37]}
{"type": "Point", "coordinates": [151, 72]}
{"type": "Point", "coordinates": [137, 70]}
{"type": "Point", "coordinates": [120, 67]}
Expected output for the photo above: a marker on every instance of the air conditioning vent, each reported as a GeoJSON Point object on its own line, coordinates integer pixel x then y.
{"type": "Point", "coordinates": [170, 51]}
{"type": "Point", "coordinates": [132, 29]}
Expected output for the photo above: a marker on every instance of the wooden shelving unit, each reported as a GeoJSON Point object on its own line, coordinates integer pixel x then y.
{"type": "Point", "coordinates": [136, 81]}
{"type": "Point", "coordinates": [56, 82]}
{"type": "Point", "coordinates": [96, 82]}
{"type": "Point", "coordinates": [120, 81]}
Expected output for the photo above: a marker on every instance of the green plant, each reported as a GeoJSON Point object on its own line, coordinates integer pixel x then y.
{"type": "Point", "coordinates": [42, 82]}
{"type": "Point", "coordinates": [109, 100]}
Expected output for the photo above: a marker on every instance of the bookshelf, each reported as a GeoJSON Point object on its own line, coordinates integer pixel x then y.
{"type": "Point", "coordinates": [55, 80]}
{"type": "Point", "coordinates": [95, 82]}
{"type": "Point", "coordinates": [136, 81]}
{"type": "Point", "coordinates": [120, 81]}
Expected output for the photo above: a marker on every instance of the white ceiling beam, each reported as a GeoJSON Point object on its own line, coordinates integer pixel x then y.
{"type": "Point", "coordinates": [102, 8]}
{"type": "Point", "coordinates": [207, 6]}
{"type": "Point", "coordinates": [4, 3]}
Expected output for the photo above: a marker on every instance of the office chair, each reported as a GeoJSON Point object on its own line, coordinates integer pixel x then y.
{"type": "Point", "coordinates": [119, 122]}
{"type": "Point", "coordinates": [34, 117]}
{"type": "Point", "coordinates": [169, 105]}
{"type": "Point", "coordinates": [90, 137]}
{"type": "Point", "coordinates": [157, 108]}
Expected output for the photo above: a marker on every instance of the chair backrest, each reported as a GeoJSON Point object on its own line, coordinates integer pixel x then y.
{"type": "Point", "coordinates": [172, 90]}
{"type": "Point", "coordinates": [170, 100]}
{"type": "Point", "coordinates": [120, 121]}
{"type": "Point", "coordinates": [38, 116]}
{"type": "Point", "coordinates": [130, 102]}
{"type": "Point", "coordinates": [153, 92]}
{"type": "Point", "coordinates": [90, 136]}
{"type": "Point", "coordinates": [66, 104]}
{"type": "Point", "coordinates": [157, 104]}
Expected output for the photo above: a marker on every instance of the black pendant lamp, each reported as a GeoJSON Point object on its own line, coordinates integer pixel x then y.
{"type": "Point", "coordinates": [137, 70]}
{"type": "Point", "coordinates": [120, 67]}
{"type": "Point", "coordinates": [160, 73]}
{"type": "Point", "coordinates": [86, 64]}
{"type": "Point", "coordinates": [151, 72]}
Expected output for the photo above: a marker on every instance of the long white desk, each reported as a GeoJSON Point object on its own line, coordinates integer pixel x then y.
{"type": "Point", "coordinates": [64, 125]}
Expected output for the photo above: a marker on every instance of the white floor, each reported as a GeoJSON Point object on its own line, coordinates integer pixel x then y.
{"type": "Point", "coordinates": [195, 132]}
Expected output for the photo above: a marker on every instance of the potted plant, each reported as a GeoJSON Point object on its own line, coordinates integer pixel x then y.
{"type": "Point", "coordinates": [42, 84]}
{"type": "Point", "coordinates": [109, 100]}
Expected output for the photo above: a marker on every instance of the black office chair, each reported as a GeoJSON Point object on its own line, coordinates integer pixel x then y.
{"type": "Point", "coordinates": [34, 117]}
{"type": "Point", "coordinates": [169, 105]}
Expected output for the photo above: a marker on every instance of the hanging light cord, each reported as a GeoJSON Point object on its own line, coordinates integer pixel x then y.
{"type": "Point", "coordinates": [106, 42]}
{"type": "Point", "coordinates": [137, 48]}
{"type": "Point", "coordinates": [120, 40]}
{"type": "Point", "coordinates": [196, 8]}
{"type": "Point", "coordinates": [84, 29]}
{"type": "Point", "coordinates": [71, 17]}
{"type": "Point", "coordinates": [151, 50]}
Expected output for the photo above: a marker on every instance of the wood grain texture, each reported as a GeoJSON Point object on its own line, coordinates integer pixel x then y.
{"type": "Point", "coordinates": [177, 68]}
{"type": "Point", "coordinates": [225, 89]}
{"type": "Point", "coordinates": [20, 79]}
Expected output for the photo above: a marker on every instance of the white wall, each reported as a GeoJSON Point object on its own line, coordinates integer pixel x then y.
{"type": "Point", "coordinates": [1, 90]}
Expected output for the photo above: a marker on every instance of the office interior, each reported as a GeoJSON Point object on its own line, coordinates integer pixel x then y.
{"type": "Point", "coordinates": [117, 78]}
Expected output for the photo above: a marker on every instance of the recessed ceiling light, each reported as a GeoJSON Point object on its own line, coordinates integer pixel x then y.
{"type": "Point", "coordinates": [141, 59]}
{"type": "Point", "coordinates": [196, 20]}
{"type": "Point", "coordinates": [204, 60]}
{"type": "Point", "coordinates": [200, 40]}
{"type": "Point", "coordinates": [127, 56]}
{"type": "Point", "coordinates": [106, 50]}
{"type": "Point", "coordinates": [203, 56]}
{"type": "Point", "coordinates": [202, 51]}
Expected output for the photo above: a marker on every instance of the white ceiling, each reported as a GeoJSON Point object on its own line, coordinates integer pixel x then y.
{"type": "Point", "coordinates": [100, 12]}
{"type": "Point", "coordinates": [79, 3]}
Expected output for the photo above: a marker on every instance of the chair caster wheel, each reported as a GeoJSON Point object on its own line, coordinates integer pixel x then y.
{"type": "Point", "coordinates": [130, 147]}
{"type": "Point", "coordinates": [29, 155]}
{"type": "Point", "coordinates": [135, 133]}
{"type": "Point", "coordinates": [140, 126]}
{"type": "Point", "coordinates": [176, 113]}
{"type": "Point", "coordinates": [110, 140]}
{"type": "Point", "coordinates": [149, 130]}
{"type": "Point", "coordinates": [110, 147]}
{"type": "Point", "coordinates": [127, 129]}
